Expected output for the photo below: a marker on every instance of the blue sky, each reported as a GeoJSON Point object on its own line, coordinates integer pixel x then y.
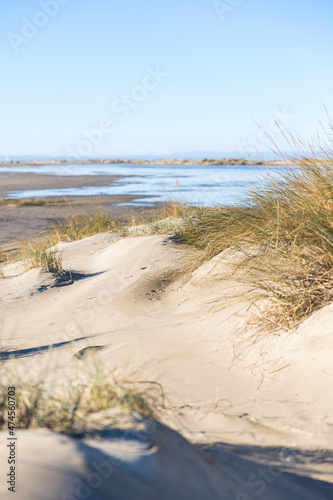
{"type": "Point", "coordinates": [161, 77]}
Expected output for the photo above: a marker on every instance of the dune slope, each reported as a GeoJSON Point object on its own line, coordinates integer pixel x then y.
{"type": "Point", "coordinates": [223, 384]}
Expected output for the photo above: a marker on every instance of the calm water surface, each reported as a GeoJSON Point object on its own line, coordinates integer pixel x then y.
{"type": "Point", "coordinates": [195, 184]}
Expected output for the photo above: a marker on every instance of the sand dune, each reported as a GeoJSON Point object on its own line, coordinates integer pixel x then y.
{"type": "Point", "coordinates": [244, 402]}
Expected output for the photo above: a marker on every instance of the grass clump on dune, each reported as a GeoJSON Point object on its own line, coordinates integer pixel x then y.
{"type": "Point", "coordinates": [168, 219]}
{"type": "Point", "coordinates": [90, 399]}
{"type": "Point", "coordinates": [81, 225]}
{"type": "Point", "coordinates": [284, 232]}
{"type": "Point", "coordinates": [39, 254]}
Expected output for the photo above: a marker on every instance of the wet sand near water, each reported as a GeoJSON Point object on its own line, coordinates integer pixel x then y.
{"type": "Point", "coordinates": [21, 182]}
{"type": "Point", "coordinates": [21, 220]}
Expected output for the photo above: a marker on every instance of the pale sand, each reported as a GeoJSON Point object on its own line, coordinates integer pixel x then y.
{"type": "Point", "coordinates": [244, 402]}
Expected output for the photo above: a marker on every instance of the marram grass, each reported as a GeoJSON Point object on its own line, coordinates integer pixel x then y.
{"type": "Point", "coordinates": [285, 234]}
{"type": "Point", "coordinates": [88, 399]}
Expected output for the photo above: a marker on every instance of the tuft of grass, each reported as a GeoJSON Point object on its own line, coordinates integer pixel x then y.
{"type": "Point", "coordinates": [39, 254]}
{"type": "Point", "coordinates": [3, 256]}
{"type": "Point", "coordinates": [169, 219]}
{"type": "Point", "coordinates": [92, 399]}
{"type": "Point", "coordinates": [284, 234]}
{"type": "Point", "coordinates": [81, 225]}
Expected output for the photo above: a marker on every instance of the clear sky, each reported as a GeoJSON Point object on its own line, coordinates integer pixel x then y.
{"type": "Point", "coordinates": [161, 77]}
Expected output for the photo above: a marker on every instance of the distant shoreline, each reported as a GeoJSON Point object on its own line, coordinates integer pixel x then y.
{"type": "Point", "coordinates": [233, 161]}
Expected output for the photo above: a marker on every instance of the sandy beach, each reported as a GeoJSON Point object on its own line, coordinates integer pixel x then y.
{"type": "Point", "coordinates": [30, 219]}
{"type": "Point", "coordinates": [252, 418]}
{"type": "Point", "coordinates": [24, 181]}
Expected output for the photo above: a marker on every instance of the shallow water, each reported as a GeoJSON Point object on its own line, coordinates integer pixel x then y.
{"type": "Point", "coordinates": [195, 184]}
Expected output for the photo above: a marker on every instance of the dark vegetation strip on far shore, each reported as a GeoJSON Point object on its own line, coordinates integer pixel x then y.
{"type": "Point", "coordinates": [223, 161]}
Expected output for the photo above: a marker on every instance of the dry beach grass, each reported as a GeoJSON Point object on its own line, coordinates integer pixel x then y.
{"type": "Point", "coordinates": [284, 230]}
{"type": "Point", "coordinates": [85, 398]}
